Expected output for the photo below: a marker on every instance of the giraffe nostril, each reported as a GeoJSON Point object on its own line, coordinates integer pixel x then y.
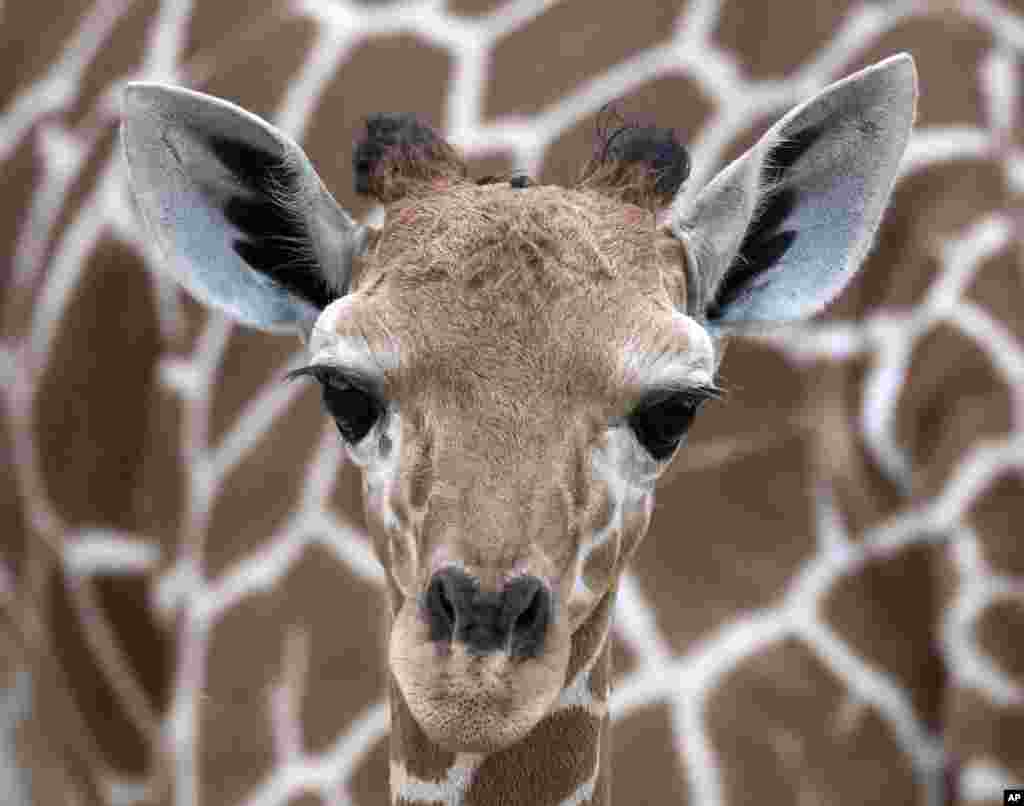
{"type": "Point", "coordinates": [528, 618]}
{"type": "Point", "coordinates": [530, 625]}
{"type": "Point", "coordinates": [440, 610]}
{"type": "Point", "coordinates": [514, 619]}
{"type": "Point", "coordinates": [446, 605]}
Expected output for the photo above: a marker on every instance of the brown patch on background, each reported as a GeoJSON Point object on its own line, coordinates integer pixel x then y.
{"type": "Point", "coordinates": [996, 516]}
{"type": "Point", "coordinates": [121, 54]}
{"type": "Point", "coordinates": [14, 545]}
{"type": "Point", "coordinates": [948, 49]}
{"type": "Point", "coordinates": [474, 7]}
{"type": "Point", "coordinates": [121, 745]}
{"type": "Point", "coordinates": [646, 770]}
{"type": "Point", "coordinates": [159, 497]}
{"type": "Point", "coordinates": [784, 727]}
{"type": "Point", "coordinates": [525, 772]}
{"type": "Point", "coordinates": [886, 612]}
{"type": "Point", "coordinates": [19, 175]}
{"type": "Point", "coordinates": [1000, 634]}
{"type": "Point", "coordinates": [624, 660]}
{"type": "Point", "coordinates": [149, 648]}
{"type": "Point", "coordinates": [548, 58]}
{"type": "Point", "coordinates": [212, 25]}
{"type": "Point", "coordinates": [952, 399]}
{"type": "Point", "coordinates": [410, 745]}
{"type": "Point", "coordinates": [32, 37]}
{"type": "Point", "coordinates": [727, 539]}
{"type": "Point", "coordinates": [369, 780]}
{"type": "Point", "coordinates": [90, 435]}
{"type": "Point", "coordinates": [10, 664]}
{"type": "Point", "coordinates": [235, 746]}
{"type": "Point", "coordinates": [73, 201]}
{"type": "Point", "coordinates": [862, 493]}
{"type": "Point", "coordinates": [275, 56]}
{"type": "Point", "coordinates": [305, 799]}
{"type": "Point", "coordinates": [57, 739]}
{"type": "Point", "coordinates": [998, 287]}
{"type": "Point", "coordinates": [272, 473]}
{"type": "Point", "coordinates": [251, 360]}
{"type": "Point", "coordinates": [366, 83]}
{"type": "Point", "coordinates": [978, 729]}
{"type": "Point", "coordinates": [754, 35]}
{"type": "Point", "coordinates": [194, 316]}
{"type": "Point", "coordinates": [343, 677]}
{"type": "Point", "coordinates": [347, 496]}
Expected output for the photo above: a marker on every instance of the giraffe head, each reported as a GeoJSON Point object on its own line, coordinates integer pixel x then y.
{"type": "Point", "coordinates": [511, 365]}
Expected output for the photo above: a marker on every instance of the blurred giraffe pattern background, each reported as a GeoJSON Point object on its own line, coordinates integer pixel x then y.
{"type": "Point", "coordinates": [829, 606]}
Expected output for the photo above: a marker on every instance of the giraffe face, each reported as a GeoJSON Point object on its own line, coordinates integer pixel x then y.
{"type": "Point", "coordinates": [509, 447]}
{"type": "Point", "coordinates": [512, 366]}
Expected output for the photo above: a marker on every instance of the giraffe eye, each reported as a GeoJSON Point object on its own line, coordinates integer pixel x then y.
{"type": "Point", "coordinates": [355, 410]}
{"type": "Point", "coordinates": [661, 422]}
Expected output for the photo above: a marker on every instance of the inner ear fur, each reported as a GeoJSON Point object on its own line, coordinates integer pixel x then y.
{"type": "Point", "coordinates": [237, 210]}
{"type": "Point", "coordinates": [778, 233]}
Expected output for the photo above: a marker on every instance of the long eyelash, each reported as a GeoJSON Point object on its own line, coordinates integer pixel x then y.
{"type": "Point", "coordinates": [706, 392]}
{"type": "Point", "coordinates": [327, 375]}
{"type": "Point", "coordinates": [323, 375]}
{"type": "Point", "coordinates": [695, 394]}
{"type": "Point", "coordinates": [312, 371]}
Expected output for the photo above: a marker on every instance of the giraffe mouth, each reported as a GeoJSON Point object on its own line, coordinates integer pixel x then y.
{"type": "Point", "coordinates": [476, 712]}
{"type": "Point", "coordinates": [468, 701]}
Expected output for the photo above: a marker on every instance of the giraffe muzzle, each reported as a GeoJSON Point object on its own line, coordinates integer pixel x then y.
{"type": "Point", "coordinates": [513, 620]}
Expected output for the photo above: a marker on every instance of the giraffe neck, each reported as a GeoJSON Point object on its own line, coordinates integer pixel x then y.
{"type": "Point", "coordinates": [562, 761]}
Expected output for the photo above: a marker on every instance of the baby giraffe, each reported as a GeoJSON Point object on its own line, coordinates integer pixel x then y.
{"type": "Point", "coordinates": [513, 366]}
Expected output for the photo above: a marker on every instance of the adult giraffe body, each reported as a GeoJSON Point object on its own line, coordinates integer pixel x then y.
{"type": "Point", "coordinates": [513, 367]}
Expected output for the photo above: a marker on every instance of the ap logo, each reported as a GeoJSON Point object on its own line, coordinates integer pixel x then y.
{"type": "Point", "coordinates": [1013, 796]}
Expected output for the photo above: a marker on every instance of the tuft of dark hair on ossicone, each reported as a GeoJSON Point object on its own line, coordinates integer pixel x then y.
{"type": "Point", "coordinates": [640, 164]}
{"type": "Point", "coordinates": [399, 156]}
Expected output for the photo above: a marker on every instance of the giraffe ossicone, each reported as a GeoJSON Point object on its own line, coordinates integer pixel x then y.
{"type": "Point", "coordinates": [513, 366]}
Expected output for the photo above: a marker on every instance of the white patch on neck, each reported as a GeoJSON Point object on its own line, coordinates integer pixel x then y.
{"type": "Point", "coordinates": [381, 473]}
{"type": "Point", "coordinates": [592, 542]}
{"type": "Point", "coordinates": [451, 791]}
{"type": "Point", "coordinates": [585, 791]}
{"type": "Point", "coordinates": [578, 693]}
{"type": "Point", "coordinates": [629, 473]}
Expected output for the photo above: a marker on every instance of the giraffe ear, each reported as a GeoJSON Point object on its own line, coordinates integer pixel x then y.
{"type": "Point", "coordinates": [779, 232]}
{"type": "Point", "coordinates": [237, 210]}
